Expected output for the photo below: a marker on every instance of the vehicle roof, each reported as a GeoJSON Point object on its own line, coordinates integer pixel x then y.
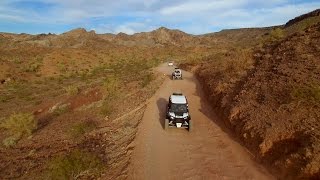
{"type": "Point", "coordinates": [178, 99]}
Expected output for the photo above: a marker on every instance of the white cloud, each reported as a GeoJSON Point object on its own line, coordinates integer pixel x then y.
{"type": "Point", "coordinates": [200, 6]}
{"type": "Point", "coordinates": [144, 15]}
{"type": "Point", "coordinates": [128, 28]}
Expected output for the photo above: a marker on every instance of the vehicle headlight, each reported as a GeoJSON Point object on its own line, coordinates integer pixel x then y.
{"type": "Point", "coordinates": [185, 115]}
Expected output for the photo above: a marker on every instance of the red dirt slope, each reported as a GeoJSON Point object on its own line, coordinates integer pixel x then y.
{"type": "Point", "coordinates": [275, 108]}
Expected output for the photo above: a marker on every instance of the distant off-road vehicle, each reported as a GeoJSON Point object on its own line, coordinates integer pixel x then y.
{"type": "Point", "coordinates": [170, 63]}
{"type": "Point", "coordinates": [177, 74]}
{"type": "Point", "coordinates": [177, 114]}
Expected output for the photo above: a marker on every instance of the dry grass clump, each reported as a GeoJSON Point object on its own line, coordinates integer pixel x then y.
{"type": "Point", "coordinates": [277, 34]}
{"type": "Point", "coordinates": [75, 165]}
{"type": "Point", "coordinates": [81, 128]}
{"type": "Point", "coordinates": [147, 78]}
{"type": "Point", "coordinates": [274, 35]}
{"type": "Point", "coordinates": [111, 87]}
{"type": "Point", "coordinates": [72, 90]}
{"type": "Point", "coordinates": [307, 94]}
{"type": "Point", "coordinates": [19, 125]}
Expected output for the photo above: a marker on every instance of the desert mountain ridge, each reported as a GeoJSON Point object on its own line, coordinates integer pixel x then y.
{"type": "Point", "coordinates": [80, 37]}
{"type": "Point", "coordinates": [159, 33]}
{"type": "Point", "coordinates": [162, 36]}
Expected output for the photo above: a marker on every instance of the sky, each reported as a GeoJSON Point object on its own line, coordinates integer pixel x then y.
{"type": "Point", "coordinates": [132, 16]}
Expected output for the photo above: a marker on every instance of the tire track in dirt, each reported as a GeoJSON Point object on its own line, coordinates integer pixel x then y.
{"type": "Point", "coordinates": [207, 152]}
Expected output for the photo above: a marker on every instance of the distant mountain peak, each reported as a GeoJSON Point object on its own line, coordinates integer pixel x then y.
{"type": "Point", "coordinates": [163, 28]}
{"type": "Point", "coordinates": [76, 31]}
{"type": "Point", "coordinates": [122, 34]}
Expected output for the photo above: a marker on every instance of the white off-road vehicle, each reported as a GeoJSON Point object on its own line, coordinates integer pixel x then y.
{"type": "Point", "coordinates": [170, 63]}
{"type": "Point", "coordinates": [177, 114]}
{"type": "Point", "coordinates": [177, 74]}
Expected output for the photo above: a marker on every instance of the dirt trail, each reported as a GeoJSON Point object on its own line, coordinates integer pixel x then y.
{"type": "Point", "coordinates": [207, 152]}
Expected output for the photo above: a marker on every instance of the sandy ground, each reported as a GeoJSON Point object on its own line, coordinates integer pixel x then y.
{"type": "Point", "coordinates": [207, 152]}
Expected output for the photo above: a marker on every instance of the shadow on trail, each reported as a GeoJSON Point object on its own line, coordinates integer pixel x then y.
{"type": "Point", "coordinates": [162, 105]}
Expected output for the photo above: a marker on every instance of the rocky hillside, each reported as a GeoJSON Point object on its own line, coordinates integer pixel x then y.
{"type": "Point", "coordinates": [246, 37]}
{"type": "Point", "coordinates": [269, 95]}
{"type": "Point", "coordinates": [276, 110]}
{"type": "Point", "coordinates": [303, 17]}
{"type": "Point", "coordinates": [302, 22]}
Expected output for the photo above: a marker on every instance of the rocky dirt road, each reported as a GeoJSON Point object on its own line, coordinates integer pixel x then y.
{"type": "Point", "coordinates": [208, 152]}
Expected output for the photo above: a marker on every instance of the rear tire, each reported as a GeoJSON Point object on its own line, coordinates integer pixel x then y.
{"type": "Point", "coordinates": [166, 124]}
{"type": "Point", "coordinates": [190, 125]}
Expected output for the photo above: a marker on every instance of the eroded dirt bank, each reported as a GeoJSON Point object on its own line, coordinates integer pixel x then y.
{"type": "Point", "coordinates": [208, 152]}
{"type": "Point", "coordinates": [274, 107]}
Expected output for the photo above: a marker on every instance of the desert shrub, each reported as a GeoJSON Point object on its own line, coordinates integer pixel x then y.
{"type": "Point", "coordinates": [307, 94]}
{"type": "Point", "coordinates": [107, 107]}
{"type": "Point", "coordinates": [100, 69]}
{"type": "Point", "coordinates": [5, 98]}
{"type": "Point", "coordinates": [62, 67]}
{"type": "Point", "coordinates": [81, 128]}
{"type": "Point", "coordinates": [111, 87]}
{"type": "Point", "coordinates": [147, 78]}
{"type": "Point", "coordinates": [20, 89]}
{"type": "Point", "coordinates": [59, 109]}
{"type": "Point", "coordinates": [17, 60]}
{"type": "Point", "coordinates": [74, 165]}
{"type": "Point", "coordinates": [20, 125]}
{"type": "Point", "coordinates": [10, 141]}
{"type": "Point", "coordinates": [33, 67]}
{"type": "Point", "coordinates": [72, 90]}
{"type": "Point", "coordinates": [277, 34]}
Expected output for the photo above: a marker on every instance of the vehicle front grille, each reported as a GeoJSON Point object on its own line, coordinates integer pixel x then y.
{"type": "Point", "coordinates": [178, 120]}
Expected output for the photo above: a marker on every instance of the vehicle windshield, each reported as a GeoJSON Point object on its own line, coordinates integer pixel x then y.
{"type": "Point", "coordinates": [179, 108]}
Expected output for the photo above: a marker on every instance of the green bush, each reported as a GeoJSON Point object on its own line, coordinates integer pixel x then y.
{"type": "Point", "coordinates": [20, 124]}
{"type": "Point", "coordinates": [73, 165]}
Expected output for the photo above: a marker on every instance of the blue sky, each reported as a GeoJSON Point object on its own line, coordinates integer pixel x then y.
{"type": "Point", "coordinates": [131, 16]}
